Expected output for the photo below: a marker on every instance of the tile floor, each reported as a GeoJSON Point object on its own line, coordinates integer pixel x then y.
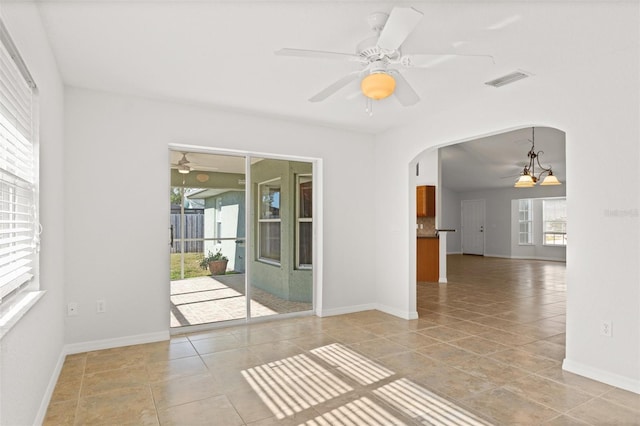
{"type": "Point", "coordinates": [487, 349]}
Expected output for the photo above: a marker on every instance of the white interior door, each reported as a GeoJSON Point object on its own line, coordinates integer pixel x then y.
{"type": "Point", "coordinates": [473, 227]}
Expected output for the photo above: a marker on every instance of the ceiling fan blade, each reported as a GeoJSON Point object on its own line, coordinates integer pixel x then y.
{"type": "Point", "coordinates": [318, 54]}
{"type": "Point", "coordinates": [324, 94]}
{"type": "Point", "coordinates": [430, 60]}
{"type": "Point", "coordinates": [404, 92]}
{"type": "Point", "coordinates": [399, 25]}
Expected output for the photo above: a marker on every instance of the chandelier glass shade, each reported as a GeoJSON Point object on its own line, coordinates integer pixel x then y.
{"type": "Point", "coordinates": [529, 177]}
{"type": "Point", "coordinates": [378, 85]}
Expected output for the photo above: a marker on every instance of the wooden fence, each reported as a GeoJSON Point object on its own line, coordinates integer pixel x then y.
{"type": "Point", "coordinates": [193, 228]}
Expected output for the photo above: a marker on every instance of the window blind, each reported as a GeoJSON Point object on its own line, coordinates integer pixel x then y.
{"type": "Point", "coordinates": [18, 212]}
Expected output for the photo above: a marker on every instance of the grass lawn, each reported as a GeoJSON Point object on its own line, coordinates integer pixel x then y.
{"type": "Point", "coordinates": [191, 266]}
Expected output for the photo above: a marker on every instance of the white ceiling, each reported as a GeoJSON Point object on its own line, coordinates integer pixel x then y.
{"type": "Point", "coordinates": [497, 161]}
{"type": "Point", "coordinates": [221, 54]}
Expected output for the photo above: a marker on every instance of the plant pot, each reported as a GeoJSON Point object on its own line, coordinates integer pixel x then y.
{"type": "Point", "coordinates": [218, 267]}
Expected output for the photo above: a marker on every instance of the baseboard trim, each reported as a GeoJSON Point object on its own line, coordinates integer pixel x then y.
{"type": "Point", "coordinates": [612, 379]}
{"type": "Point", "coordinates": [408, 315]}
{"type": "Point", "coordinates": [346, 310]}
{"type": "Point", "coordinates": [96, 345]}
{"type": "Point", "coordinates": [368, 307]}
{"type": "Point", "coordinates": [550, 259]}
{"type": "Point", "coordinates": [46, 399]}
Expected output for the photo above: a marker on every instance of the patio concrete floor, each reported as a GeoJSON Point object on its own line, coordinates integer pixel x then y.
{"type": "Point", "coordinates": [204, 300]}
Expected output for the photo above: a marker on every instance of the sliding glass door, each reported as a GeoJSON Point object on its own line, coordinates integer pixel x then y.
{"type": "Point", "coordinates": [242, 238]}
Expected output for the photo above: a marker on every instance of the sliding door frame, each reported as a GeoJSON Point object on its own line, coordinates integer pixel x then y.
{"type": "Point", "coordinates": [317, 222]}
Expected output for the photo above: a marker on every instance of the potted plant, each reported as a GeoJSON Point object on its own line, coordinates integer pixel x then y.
{"type": "Point", "coordinates": [217, 263]}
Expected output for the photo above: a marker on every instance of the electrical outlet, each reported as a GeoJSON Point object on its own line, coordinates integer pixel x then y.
{"type": "Point", "coordinates": [606, 328]}
{"type": "Point", "coordinates": [72, 309]}
{"type": "Point", "coordinates": [101, 306]}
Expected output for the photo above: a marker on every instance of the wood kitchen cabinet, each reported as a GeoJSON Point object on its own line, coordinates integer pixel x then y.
{"type": "Point", "coordinates": [426, 201]}
{"type": "Point", "coordinates": [428, 259]}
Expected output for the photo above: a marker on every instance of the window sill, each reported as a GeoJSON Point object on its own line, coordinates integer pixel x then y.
{"type": "Point", "coordinates": [11, 314]}
{"type": "Point", "coordinates": [269, 262]}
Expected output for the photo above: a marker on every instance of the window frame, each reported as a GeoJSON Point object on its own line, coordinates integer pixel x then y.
{"type": "Point", "coordinates": [300, 220]}
{"type": "Point", "coordinates": [19, 98]}
{"type": "Point", "coordinates": [264, 221]}
{"type": "Point", "coordinates": [563, 223]}
{"type": "Point", "coordinates": [529, 221]}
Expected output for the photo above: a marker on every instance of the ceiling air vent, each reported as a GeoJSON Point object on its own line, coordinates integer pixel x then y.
{"type": "Point", "coordinates": [507, 79]}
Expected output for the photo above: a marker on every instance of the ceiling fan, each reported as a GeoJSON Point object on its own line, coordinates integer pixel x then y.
{"type": "Point", "coordinates": [183, 164]}
{"type": "Point", "coordinates": [381, 59]}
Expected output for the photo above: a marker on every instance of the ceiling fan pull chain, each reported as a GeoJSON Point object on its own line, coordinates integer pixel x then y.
{"type": "Point", "coordinates": [368, 107]}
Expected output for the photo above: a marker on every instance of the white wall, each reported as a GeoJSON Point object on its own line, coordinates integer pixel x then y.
{"type": "Point", "coordinates": [117, 179]}
{"type": "Point", "coordinates": [450, 218]}
{"type": "Point", "coordinates": [30, 352]}
{"type": "Point", "coordinates": [601, 122]}
{"type": "Point", "coordinates": [497, 227]}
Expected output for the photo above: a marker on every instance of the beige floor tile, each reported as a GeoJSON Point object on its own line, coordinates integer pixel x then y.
{"type": "Point", "coordinates": [547, 392]}
{"type": "Point", "coordinates": [168, 350]}
{"type": "Point", "coordinates": [214, 410]}
{"type": "Point", "coordinates": [412, 340]}
{"type": "Point", "coordinates": [185, 389]}
{"type": "Point", "coordinates": [508, 408]}
{"type": "Point", "coordinates": [524, 360]}
{"type": "Point", "coordinates": [471, 327]}
{"type": "Point", "coordinates": [249, 405]}
{"type": "Point", "coordinates": [578, 382]}
{"type": "Point", "coordinates": [478, 345]}
{"type": "Point", "coordinates": [314, 341]}
{"type": "Point", "coordinates": [453, 382]}
{"type": "Point", "coordinates": [131, 378]}
{"type": "Point", "coordinates": [351, 335]}
{"type": "Point", "coordinates": [444, 333]}
{"type": "Point", "coordinates": [61, 413]}
{"type": "Point", "coordinates": [67, 388]}
{"type": "Point", "coordinates": [564, 420]}
{"type": "Point", "coordinates": [445, 352]}
{"type": "Point", "coordinates": [113, 359]}
{"type": "Point", "coordinates": [125, 406]}
{"type": "Point", "coordinates": [234, 359]}
{"type": "Point", "coordinates": [490, 370]}
{"type": "Point", "coordinates": [602, 412]}
{"type": "Point", "coordinates": [73, 366]}
{"type": "Point", "coordinates": [545, 349]}
{"type": "Point", "coordinates": [624, 398]}
{"type": "Point", "coordinates": [409, 363]}
{"type": "Point", "coordinates": [216, 344]}
{"type": "Point", "coordinates": [268, 352]}
{"type": "Point", "coordinates": [172, 369]}
{"type": "Point", "coordinates": [377, 348]}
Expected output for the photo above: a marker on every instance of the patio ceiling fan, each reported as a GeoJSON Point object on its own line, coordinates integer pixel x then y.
{"type": "Point", "coordinates": [381, 59]}
{"type": "Point", "coordinates": [183, 164]}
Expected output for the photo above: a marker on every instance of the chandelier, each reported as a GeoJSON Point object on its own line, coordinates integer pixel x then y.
{"type": "Point", "coordinates": [529, 177]}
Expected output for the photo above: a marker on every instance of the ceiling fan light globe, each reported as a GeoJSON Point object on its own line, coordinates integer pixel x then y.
{"type": "Point", "coordinates": [378, 85]}
{"type": "Point", "coordinates": [183, 169]}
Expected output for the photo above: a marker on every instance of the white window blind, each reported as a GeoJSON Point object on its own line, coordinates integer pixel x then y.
{"type": "Point", "coordinates": [18, 185]}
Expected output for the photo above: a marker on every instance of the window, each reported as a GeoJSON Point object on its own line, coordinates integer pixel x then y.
{"type": "Point", "coordinates": [304, 240]}
{"type": "Point", "coordinates": [19, 229]}
{"type": "Point", "coordinates": [525, 222]}
{"type": "Point", "coordinates": [554, 217]}
{"type": "Point", "coordinates": [269, 221]}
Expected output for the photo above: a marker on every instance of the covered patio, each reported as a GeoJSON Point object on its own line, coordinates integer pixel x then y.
{"type": "Point", "coordinates": [208, 299]}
